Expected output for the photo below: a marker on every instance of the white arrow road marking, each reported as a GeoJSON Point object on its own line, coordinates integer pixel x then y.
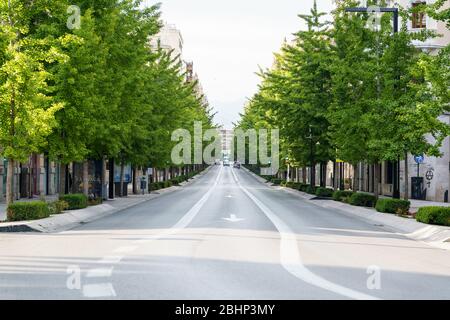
{"type": "Point", "coordinates": [290, 257]}
{"type": "Point", "coordinates": [229, 196]}
{"type": "Point", "coordinates": [100, 273]}
{"type": "Point", "coordinates": [100, 290]}
{"type": "Point", "coordinates": [233, 218]}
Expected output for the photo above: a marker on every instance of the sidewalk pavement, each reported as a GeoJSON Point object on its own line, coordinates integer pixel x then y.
{"type": "Point", "coordinates": [74, 218]}
{"type": "Point", "coordinates": [437, 236]}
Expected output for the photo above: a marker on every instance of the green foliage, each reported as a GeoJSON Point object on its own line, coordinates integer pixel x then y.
{"type": "Point", "coordinates": [75, 201]}
{"type": "Point", "coordinates": [311, 190]}
{"type": "Point", "coordinates": [352, 93]}
{"type": "Point", "coordinates": [26, 90]}
{"type": "Point", "coordinates": [395, 206]}
{"type": "Point", "coordinates": [363, 199]}
{"type": "Point", "coordinates": [24, 211]}
{"type": "Point", "coordinates": [434, 215]}
{"type": "Point", "coordinates": [324, 192]}
{"type": "Point", "coordinates": [340, 195]}
{"type": "Point", "coordinates": [95, 201]}
{"type": "Point", "coordinates": [277, 181]}
{"type": "Point", "coordinates": [57, 207]}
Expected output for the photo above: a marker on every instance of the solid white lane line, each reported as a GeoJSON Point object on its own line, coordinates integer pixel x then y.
{"type": "Point", "coordinates": [187, 218]}
{"type": "Point", "coordinates": [100, 290]}
{"type": "Point", "coordinates": [100, 273]}
{"type": "Point", "coordinates": [290, 257]}
{"type": "Point", "coordinates": [126, 249]}
{"type": "Point", "coordinates": [110, 260]}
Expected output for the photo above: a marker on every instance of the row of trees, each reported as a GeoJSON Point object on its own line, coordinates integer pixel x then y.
{"type": "Point", "coordinates": [345, 91]}
{"type": "Point", "coordinates": [89, 86]}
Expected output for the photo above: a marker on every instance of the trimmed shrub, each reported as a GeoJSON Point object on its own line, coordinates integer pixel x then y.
{"type": "Point", "coordinates": [304, 187]}
{"type": "Point", "coordinates": [434, 215]}
{"type": "Point", "coordinates": [361, 199]}
{"type": "Point", "coordinates": [310, 190]}
{"type": "Point", "coordinates": [167, 184]}
{"type": "Point", "coordinates": [57, 207]}
{"type": "Point", "coordinates": [395, 206]}
{"type": "Point", "coordinates": [340, 195]}
{"type": "Point", "coordinates": [324, 192]}
{"type": "Point", "coordinates": [95, 201]}
{"type": "Point", "coordinates": [75, 201]}
{"type": "Point", "coordinates": [277, 181]}
{"type": "Point", "coordinates": [23, 211]}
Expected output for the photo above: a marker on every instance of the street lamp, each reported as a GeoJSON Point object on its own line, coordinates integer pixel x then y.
{"type": "Point", "coordinates": [395, 12]}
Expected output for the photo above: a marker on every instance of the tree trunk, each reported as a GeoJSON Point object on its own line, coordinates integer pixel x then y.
{"type": "Point", "coordinates": [304, 175]}
{"type": "Point", "coordinates": [62, 178]}
{"type": "Point", "coordinates": [406, 197]}
{"type": "Point", "coordinates": [376, 190]}
{"type": "Point", "coordinates": [122, 172]}
{"type": "Point", "coordinates": [135, 180]}
{"type": "Point", "coordinates": [104, 184]}
{"type": "Point", "coordinates": [111, 179]}
{"type": "Point", "coordinates": [313, 175]}
{"type": "Point", "coordinates": [355, 177]}
{"type": "Point", "coordinates": [86, 178]}
{"type": "Point", "coordinates": [10, 182]}
{"type": "Point", "coordinates": [74, 179]}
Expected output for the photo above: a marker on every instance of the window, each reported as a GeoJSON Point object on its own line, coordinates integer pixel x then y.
{"type": "Point", "coordinates": [419, 19]}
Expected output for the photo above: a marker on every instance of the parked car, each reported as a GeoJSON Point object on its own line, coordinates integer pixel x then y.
{"type": "Point", "coordinates": [237, 165]}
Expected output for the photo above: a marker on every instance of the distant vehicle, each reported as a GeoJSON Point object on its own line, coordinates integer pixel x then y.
{"type": "Point", "coordinates": [217, 162]}
{"type": "Point", "coordinates": [226, 163]}
{"type": "Point", "coordinates": [237, 165]}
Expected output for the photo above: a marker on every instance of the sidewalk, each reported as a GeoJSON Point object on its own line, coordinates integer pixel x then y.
{"type": "Point", "coordinates": [74, 218]}
{"type": "Point", "coordinates": [437, 236]}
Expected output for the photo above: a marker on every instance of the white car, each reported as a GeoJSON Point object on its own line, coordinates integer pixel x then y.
{"type": "Point", "coordinates": [226, 163]}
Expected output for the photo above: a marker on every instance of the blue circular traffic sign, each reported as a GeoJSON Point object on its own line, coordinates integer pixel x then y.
{"type": "Point", "coordinates": [419, 159]}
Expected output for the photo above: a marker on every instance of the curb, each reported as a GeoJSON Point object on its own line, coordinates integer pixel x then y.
{"type": "Point", "coordinates": [436, 236]}
{"type": "Point", "coordinates": [73, 219]}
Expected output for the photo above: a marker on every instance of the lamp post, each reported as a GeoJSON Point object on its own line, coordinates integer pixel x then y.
{"type": "Point", "coordinates": [395, 13]}
{"type": "Point", "coordinates": [311, 158]}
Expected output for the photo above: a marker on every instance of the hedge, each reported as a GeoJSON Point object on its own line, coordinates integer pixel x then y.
{"type": "Point", "coordinates": [304, 187]}
{"type": "Point", "coordinates": [434, 215]}
{"type": "Point", "coordinates": [277, 181]}
{"type": "Point", "coordinates": [310, 190]}
{"type": "Point", "coordinates": [324, 192]}
{"type": "Point", "coordinates": [75, 201]}
{"type": "Point", "coordinates": [23, 211]}
{"type": "Point", "coordinates": [395, 206]}
{"type": "Point", "coordinates": [57, 207]}
{"type": "Point", "coordinates": [363, 199]}
{"type": "Point", "coordinates": [340, 195]}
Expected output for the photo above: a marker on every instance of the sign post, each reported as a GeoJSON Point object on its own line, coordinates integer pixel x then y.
{"type": "Point", "coordinates": [419, 160]}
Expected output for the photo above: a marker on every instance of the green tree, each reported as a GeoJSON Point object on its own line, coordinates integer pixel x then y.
{"type": "Point", "coordinates": [27, 107]}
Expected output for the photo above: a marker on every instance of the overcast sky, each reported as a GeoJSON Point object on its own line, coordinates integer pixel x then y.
{"type": "Point", "coordinates": [227, 40]}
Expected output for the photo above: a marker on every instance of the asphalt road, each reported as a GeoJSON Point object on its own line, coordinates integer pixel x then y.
{"type": "Point", "coordinates": [226, 236]}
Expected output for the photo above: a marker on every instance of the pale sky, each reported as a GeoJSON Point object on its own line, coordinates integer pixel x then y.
{"type": "Point", "coordinates": [227, 41]}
